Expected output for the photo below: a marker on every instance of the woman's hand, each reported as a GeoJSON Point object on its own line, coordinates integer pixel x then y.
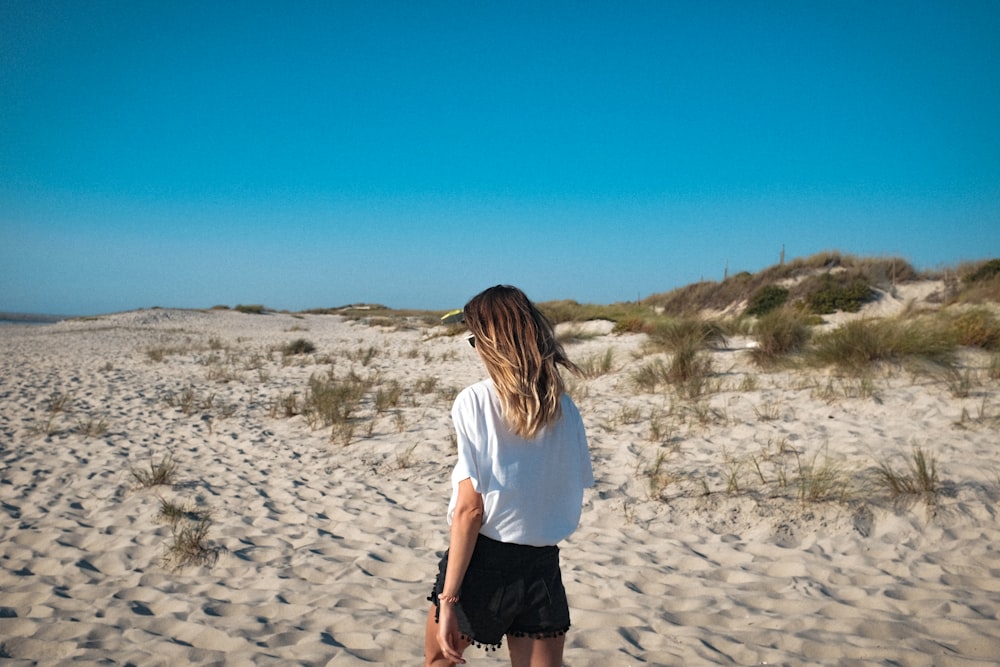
{"type": "Point", "coordinates": [449, 638]}
{"type": "Point", "coordinates": [466, 521]}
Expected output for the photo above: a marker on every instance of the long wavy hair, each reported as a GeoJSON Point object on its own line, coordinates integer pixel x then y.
{"type": "Point", "coordinates": [519, 349]}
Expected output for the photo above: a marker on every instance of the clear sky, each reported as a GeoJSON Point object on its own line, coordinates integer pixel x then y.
{"type": "Point", "coordinates": [311, 154]}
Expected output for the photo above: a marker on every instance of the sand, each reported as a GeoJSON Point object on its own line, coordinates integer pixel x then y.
{"type": "Point", "coordinates": [325, 551]}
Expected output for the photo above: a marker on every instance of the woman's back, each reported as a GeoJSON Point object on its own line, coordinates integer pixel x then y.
{"type": "Point", "coordinates": [532, 489]}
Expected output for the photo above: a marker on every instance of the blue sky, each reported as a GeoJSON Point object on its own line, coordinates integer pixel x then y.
{"type": "Point", "coordinates": [313, 154]}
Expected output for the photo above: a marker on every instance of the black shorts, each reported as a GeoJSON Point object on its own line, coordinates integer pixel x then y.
{"type": "Point", "coordinates": [509, 589]}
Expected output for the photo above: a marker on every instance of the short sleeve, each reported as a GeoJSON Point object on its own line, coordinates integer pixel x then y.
{"type": "Point", "coordinates": [583, 450]}
{"type": "Point", "coordinates": [464, 419]}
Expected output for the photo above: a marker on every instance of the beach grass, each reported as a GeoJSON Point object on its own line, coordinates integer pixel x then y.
{"type": "Point", "coordinates": [162, 472]}
{"type": "Point", "coordinates": [332, 401]}
{"type": "Point", "coordinates": [189, 544]}
{"type": "Point", "coordinates": [919, 481]}
{"type": "Point", "coordinates": [976, 327]}
{"type": "Point", "coordinates": [860, 344]}
{"type": "Point", "coordinates": [597, 365]}
{"type": "Point", "coordinates": [92, 427]}
{"type": "Point", "coordinates": [780, 477]}
{"type": "Point", "coordinates": [778, 334]}
{"type": "Point", "coordinates": [298, 346]}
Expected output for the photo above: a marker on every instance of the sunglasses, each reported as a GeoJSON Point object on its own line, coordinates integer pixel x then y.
{"type": "Point", "coordinates": [472, 340]}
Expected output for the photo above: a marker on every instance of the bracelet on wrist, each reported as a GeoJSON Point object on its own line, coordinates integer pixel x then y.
{"type": "Point", "coordinates": [453, 599]}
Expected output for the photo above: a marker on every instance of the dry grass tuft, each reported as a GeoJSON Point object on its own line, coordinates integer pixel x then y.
{"type": "Point", "coordinates": [598, 364]}
{"type": "Point", "coordinates": [977, 327]}
{"type": "Point", "coordinates": [657, 475]}
{"type": "Point", "coordinates": [779, 333]}
{"type": "Point", "coordinates": [171, 512]}
{"type": "Point", "coordinates": [828, 480]}
{"type": "Point", "coordinates": [189, 544]}
{"type": "Point", "coordinates": [92, 427]}
{"type": "Point", "coordinates": [297, 347]}
{"type": "Point", "coordinates": [980, 282]}
{"type": "Point", "coordinates": [59, 402]}
{"type": "Point", "coordinates": [330, 401]}
{"type": "Point", "coordinates": [648, 377]}
{"type": "Point", "coordinates": [160, 473]}
{"type": "Point", "coordinates": [920, 480]}
{"type": "Point", "coordinates": [686, 333]}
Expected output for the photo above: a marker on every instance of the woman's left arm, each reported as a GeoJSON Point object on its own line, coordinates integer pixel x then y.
{"type": "Point", "coordinates": [466, 521]}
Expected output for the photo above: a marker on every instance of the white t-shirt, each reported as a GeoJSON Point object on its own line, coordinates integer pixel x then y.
{"type": "Point", "coordinates": [532, 489]}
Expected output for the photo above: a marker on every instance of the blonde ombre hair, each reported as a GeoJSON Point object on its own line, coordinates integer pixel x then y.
{"type": "Point", "coordinates": [519, 349]}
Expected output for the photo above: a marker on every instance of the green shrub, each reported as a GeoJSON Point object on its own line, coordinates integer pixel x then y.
{"type": "Point", "coordinates": [985, 289]}
{"type": "Point", "coordinates": [254, 309]}
{"type": "Point", "coordinates": [830, 295]}
{"type": "Point", "coordinates": [766, 299]}
{"type": "Point", "coordinates": [985, 271]}
{"type": "Point", "coordinates": [881, 272]}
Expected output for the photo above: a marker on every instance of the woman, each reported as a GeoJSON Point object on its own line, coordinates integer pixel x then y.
{"type": "Point", "coordinates": [517, 490]}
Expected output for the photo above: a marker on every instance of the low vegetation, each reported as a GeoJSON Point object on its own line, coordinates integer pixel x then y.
{"type": "Point", "coordinates": [858, 344]}
{"type": "Point", "coordinates": [979, 283]}
{"type": "Point", "coordinates": [92, 427]}
{"type": "Point", "coordinates": [767, 299]}
{"type": "Point", "coordinates": [333, 402]}
{"type": "Point", "coordinates": [837, 292]}
{"type": "Point", "coordinates": [189, 544]}
{"type": "Point", "coordinates": [919, 481]}
{"type": "Point", "coordinates": [779, 472]}
{"type": "Point", "coordinates": [781, 309]}
{"type": "Point", "coordinates": [159, 472]}
{"type": "Point", "coordinates": [978, 327]}
{"type": "Point", "coordinates": [779, 333]}
{"type": "Point", "coordinates": [687, 333]}
{"type": "Point", "coordinates": [824, 274]}
{"type": "Point", "coordinates": [598, 364]}
{"type": "Point", "coordinates": [298, 346]}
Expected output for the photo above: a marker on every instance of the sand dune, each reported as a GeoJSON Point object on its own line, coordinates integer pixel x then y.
{"type": "Point", "coordinates": [326, 551]}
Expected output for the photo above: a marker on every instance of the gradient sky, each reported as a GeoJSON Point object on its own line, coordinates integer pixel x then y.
{"type": "Point", "coordinates": [312, 154]}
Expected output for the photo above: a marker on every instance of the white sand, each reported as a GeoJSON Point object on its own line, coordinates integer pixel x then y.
{"type": "Point", "coordinates": [328, 551]}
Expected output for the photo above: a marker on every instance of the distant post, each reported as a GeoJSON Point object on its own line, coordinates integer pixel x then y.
{"type": "Point", "coordinates": [782, 262]}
